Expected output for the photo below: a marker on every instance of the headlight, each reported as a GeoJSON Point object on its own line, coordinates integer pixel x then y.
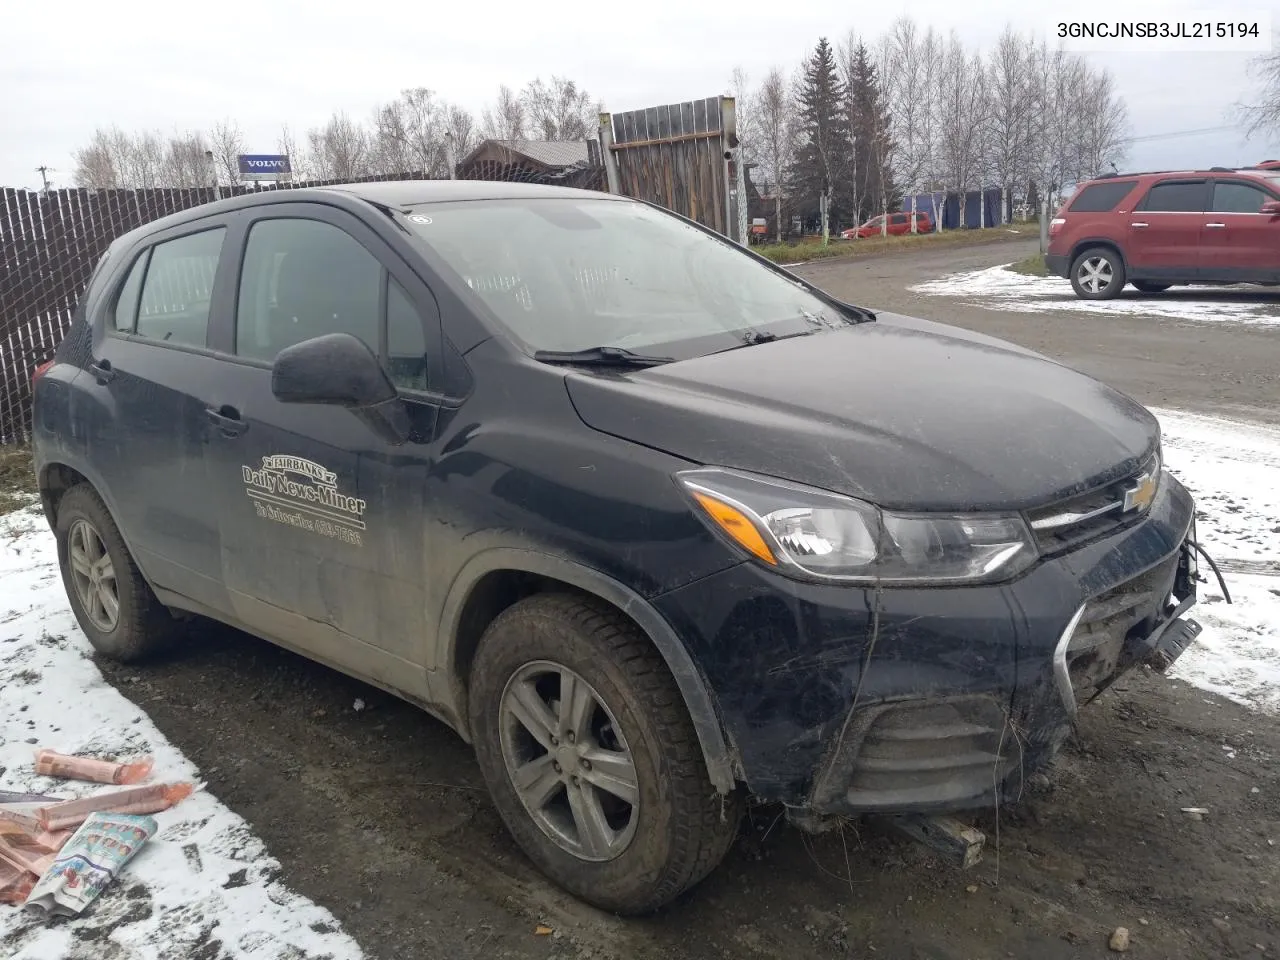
{"type": "Point", "coordinates": [825, 536]}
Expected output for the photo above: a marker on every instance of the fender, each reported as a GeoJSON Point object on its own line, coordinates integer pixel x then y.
{"type": "Point", "coordinates": [693, 687]}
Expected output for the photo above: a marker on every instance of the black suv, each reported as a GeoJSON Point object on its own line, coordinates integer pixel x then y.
{"type": "Point", "coordinates": [654, 524]}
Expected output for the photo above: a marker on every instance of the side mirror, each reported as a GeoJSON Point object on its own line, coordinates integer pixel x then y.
{"type": "Point", "coordinates": [1271, 207]}
{"type": "Point", "coordinates": [338, 369]}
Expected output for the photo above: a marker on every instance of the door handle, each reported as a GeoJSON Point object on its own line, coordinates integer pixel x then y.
{"type": "Point", "coordinates": [102, 372]}
{"type": "Point", "coordinates": [1216, 226]}
{"type": "Point", "coordinates": [227, 420]}
{"type": "Point", "coordinates": [1138, 224]}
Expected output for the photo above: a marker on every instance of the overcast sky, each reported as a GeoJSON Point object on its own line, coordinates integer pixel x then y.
{"type": "Point", "coordinates": [69, 68]}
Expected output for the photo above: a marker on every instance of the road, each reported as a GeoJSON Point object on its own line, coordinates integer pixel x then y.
{"type": "Point", "coordinates": [1221, 369]}
{"type": "Point", "coordinates": [379, 814]}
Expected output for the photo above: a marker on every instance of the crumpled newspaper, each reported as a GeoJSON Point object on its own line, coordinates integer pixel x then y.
{"type": "Point", "coordinates": [90, 861]}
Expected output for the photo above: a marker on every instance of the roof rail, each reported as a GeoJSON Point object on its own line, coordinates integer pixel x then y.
{"type": "Point", "coordinates": [1135, 173]}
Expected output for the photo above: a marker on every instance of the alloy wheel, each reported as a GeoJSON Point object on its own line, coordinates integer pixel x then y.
{"type": "Point", "coordinates": [94, 576]}
{"type": "Point", "coordinates": [1095, 274]}
{"type": "Point", "coordinates": [569, 761]}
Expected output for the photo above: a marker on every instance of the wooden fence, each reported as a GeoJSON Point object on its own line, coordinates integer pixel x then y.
{"type": "Point", "coordinates": [51, 241]}
{"type": "Point", "coordinates": [682, 156]}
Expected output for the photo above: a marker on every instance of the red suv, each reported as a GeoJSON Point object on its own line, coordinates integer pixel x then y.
{"type": "Point", "coordinates": [1157, 229]}
{"type": "Point", "coordinates": [899, 223]}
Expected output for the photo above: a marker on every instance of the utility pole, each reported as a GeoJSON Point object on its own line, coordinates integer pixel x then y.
{"type": "Point", "coordinates": [213, 169]}
{"type": "Point", "coordinates": [44, 176]}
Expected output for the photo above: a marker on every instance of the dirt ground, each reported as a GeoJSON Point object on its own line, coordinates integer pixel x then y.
{"type": "Point", "coordinates": [379, 815]}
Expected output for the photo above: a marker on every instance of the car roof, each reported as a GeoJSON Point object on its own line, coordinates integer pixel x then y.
{"type": "Point", "coordinates": [386, 193]}
{"type": "Point", "coordinates": [1211, 172]}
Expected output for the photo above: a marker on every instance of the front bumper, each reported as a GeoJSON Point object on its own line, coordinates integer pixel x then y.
{"type": "Point", "coordinates": [1058, 264]}
{"type": "Point", "coordinates": [841, 700]}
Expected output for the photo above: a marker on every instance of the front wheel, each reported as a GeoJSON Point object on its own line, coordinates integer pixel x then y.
{"type": "Point", "coordinates": [1097, 274]}
{"type": "Point", "coordinates": [1146, 286]}
{"type": "Point", "coordinates": [593, 763]}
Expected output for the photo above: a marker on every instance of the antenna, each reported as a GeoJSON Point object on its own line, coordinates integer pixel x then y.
{"type": "Point", "coordinates": [44, 175]}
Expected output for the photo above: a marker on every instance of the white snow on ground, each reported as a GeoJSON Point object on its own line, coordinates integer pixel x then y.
{"type": "Point", "coordinates": [204, 885]}
{"type": "Point", "coordinates": [1233, 470]}
{"type": "Point", "coordinates": [998, 288]}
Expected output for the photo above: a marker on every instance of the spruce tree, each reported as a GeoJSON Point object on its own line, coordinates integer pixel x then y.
{"type": "Point", "coordinates": [822, 153]}
{"type": "Point", "coordinates": [869, 126]}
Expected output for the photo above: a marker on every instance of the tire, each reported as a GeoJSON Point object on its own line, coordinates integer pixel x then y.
{"type": "Point", "coordinates": [1146, 286]}
{"type": "Point", "coordinates": [1097, 274]}
{"type": "Point", "coordinates": [141, 625]}
{"type": "Point", "coordinates": [679, 830]}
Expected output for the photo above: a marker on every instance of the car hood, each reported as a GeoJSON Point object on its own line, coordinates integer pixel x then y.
{"type": "Point", "coordinates": [902, 412]}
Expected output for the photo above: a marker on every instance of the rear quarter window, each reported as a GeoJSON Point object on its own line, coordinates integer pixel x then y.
{"type": "Point", "coordinates": [1101, 197]}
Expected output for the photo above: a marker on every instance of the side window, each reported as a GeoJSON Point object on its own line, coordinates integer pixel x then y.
{"type": "Point", "coordinates": [1172, 197]}
{"type": "Point", "coordinates": [406, 342]}
{"type": "Point", "coordinates": [1101, 197]}
{"type": "Point", "coordinates": [174, 306]}
{"type": "Point", "coordinates": [125, 314]}
{"type": "Point", "coordinates": [899, 218]}
{"type": "Point", "coordinates": [1235, 197]}
{"type": "Point", "coordinates": [303, 279]}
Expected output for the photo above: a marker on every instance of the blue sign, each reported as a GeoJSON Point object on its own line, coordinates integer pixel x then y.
{"type": "Point", "coordinates": [264, 166]}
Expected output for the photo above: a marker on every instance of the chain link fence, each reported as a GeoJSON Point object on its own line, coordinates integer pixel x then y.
{"type": "Point", "coordinates": [51, 240]}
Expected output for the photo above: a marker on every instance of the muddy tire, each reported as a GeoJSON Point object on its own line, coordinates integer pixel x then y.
{"type": "Point", "coordinates": [1097, 274]}
{"type": "Point", "coordinates": [111, 601]}
{"type": "Point", "coordinates": [570, 701]}
{"type": "Point", "coordinates": [1146, 286]}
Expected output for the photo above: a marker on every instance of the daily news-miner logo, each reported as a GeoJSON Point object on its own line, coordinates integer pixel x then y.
{"type": "Point", "coordinates": [304, 494]}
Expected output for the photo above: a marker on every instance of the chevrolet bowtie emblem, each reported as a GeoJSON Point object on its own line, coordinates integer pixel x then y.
{"type": "Point", "coordinates": [1140, 495]}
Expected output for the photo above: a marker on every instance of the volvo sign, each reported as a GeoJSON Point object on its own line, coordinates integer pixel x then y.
{"type": "Point", "coordinates": [264, 166]}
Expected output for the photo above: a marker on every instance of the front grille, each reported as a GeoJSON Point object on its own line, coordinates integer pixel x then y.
{"type": "Point", "coordinates": [1076, 520]}
{"type": "Point", "coordinates": [1097, 645]}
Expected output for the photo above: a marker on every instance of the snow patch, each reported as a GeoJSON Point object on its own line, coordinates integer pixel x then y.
{"type": "Point", "coordinates": [1232, 468]}
{"type": "Point", "coordinates": [204, 886]}
{"type": "Point", "coordinates": [999, 288]}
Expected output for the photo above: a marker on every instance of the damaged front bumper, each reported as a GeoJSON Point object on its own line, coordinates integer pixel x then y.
{"type": "Point", "coordinates": [929, 701]}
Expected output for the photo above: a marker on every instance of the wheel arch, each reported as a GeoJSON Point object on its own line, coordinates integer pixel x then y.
{"type": "Point", "coordinates": [494, 580]}
{"type": "Point", "coordinates": [55, 477]}
{"type": "Point", "coordinates": [1080, 246]}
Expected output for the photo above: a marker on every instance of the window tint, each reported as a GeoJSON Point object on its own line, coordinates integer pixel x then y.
{"type": "Point", "coordinates": [1101, 197]}
{"type": "Point", "coordinates": [302, 279]}
{"type": "Point", "coordinates": [1177, 197]}
{"type": "Point", "coordinates": [406, 343]}
{"type": "Point", "coordinates": [899, 218]}
{"type": "Point", "coordinates": [1238, 198]}
{"type": "Point", "coordinates": [174, 306]}
{"type": "Point", "coordinates": [126, 312]}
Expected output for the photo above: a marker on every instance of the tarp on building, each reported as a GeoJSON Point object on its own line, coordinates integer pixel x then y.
{"type": "Point", "coordinates": [946, 207]}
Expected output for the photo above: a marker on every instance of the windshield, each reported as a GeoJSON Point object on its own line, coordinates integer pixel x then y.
{"type": "Point", "coordinates": [567, 274]}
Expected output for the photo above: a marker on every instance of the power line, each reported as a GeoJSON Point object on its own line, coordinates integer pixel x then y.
{"type": "Point", "coordinates": [1173, 135]}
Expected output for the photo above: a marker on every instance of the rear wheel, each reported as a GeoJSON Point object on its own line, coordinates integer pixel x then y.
{"type": "Point", "coordinates": [1146, 286]}
{"type": "Point", "coordinates": [1097, 274]}
{"type": "Point", "coordinates": [111, 601]}
{"type": "Point", "coordinates": [591, 758]}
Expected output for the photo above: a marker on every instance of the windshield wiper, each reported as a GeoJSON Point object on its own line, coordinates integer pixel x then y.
{"type": "Point", "coordinates": [752, 337]}
{"type": "Point", "coordinates": [613, 356]}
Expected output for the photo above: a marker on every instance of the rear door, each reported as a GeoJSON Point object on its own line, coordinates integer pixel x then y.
{"type": "Point", "coordinates": [1239, 243]}
{"type": "Point", "coordinates": [899, 223]}
{"type": "Point", "coordinates": [141, 403]}
{"type": "Point", "coordinates": [1164, 231]}
{"type": "Point", "coordinates": [323, 528]}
